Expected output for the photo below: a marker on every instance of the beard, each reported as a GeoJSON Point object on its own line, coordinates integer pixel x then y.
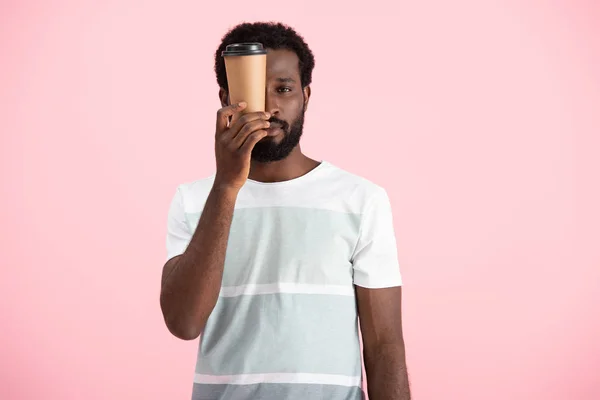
{"type": "Point", "coordinates": [267, 150]}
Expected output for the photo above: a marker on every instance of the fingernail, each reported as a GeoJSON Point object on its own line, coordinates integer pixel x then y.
{"type": "Point", "coordinates": [268, 115]}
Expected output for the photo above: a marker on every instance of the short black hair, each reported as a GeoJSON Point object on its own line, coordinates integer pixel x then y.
{"type": "Point", "coordinates": [273, 35]}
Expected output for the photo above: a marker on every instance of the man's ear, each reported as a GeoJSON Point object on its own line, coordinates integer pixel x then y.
{"type": "Point", "coordinates": [306, 92]}
{"type": "Point", "coordinates": [224, 97]}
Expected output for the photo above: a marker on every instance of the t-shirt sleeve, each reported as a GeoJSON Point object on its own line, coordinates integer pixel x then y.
{"type": "Point", "coordinates": [375, 259]}
{"type": "Point", "coordinates": [178, 232]}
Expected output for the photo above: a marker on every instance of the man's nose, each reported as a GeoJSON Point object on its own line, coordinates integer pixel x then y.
{"type": "Point", "coordinates": [271, 105]}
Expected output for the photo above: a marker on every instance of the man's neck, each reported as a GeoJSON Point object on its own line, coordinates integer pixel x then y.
{"type": "Point", "coordinates": [293, 166]}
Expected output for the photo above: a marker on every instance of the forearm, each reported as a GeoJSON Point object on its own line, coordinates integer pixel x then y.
{"type": "Point", "coordinates": [387, 376]}
{"type": "Point", "coordinates": [191, 290]}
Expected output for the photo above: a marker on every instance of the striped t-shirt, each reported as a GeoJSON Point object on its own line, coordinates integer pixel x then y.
{"type": "Point", "coordinates": [285, 324]}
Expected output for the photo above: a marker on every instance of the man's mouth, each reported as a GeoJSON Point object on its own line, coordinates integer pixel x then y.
{"type": "Point", "coordinates": [274, 130]}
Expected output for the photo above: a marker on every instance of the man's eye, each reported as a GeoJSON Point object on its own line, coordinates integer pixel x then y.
{"type": "Point", "coordinates": [284, 90]}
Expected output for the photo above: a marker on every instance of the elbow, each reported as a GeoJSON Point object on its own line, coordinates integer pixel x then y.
{"type": "Point", "coordinates": [182, 327]}
{"type": "Point", "coordinates": [184, 332]}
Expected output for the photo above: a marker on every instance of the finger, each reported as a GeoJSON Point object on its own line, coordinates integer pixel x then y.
{"type": "Point", "coordinates": [247, 118]}
{"type": "Point", "coordinates": [224, 113]}
{"type": "Point", "coordinates": [251, 141]}
{"type": "Point", "coordinates": [249, 128]}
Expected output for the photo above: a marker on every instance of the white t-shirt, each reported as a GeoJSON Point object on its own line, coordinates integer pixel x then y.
{"type": "Point", "coordinates": [285, 324]}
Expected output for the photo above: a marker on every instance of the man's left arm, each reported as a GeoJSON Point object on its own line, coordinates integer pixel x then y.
{"type": "Point", "coordinates": [378, 284]}
{"type": "Point", "coordinates": [381, 326]}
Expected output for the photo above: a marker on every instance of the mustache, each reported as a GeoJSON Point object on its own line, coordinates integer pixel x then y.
{"type": "Point", "coordinates": [282, 124]}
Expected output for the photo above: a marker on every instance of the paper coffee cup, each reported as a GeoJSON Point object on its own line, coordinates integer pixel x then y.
{"type": "Point", "coordinates": [246, 67]}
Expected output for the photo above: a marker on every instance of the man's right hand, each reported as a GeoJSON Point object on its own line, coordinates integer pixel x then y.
{"type": "Point", "coordinates": [234, 144]}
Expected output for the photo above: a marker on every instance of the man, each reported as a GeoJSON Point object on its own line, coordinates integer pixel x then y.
{"type": "Point", "coordinates": [274, 257]}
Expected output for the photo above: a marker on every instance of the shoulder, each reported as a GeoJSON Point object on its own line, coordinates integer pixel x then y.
{"type": "Point", "coordinates": [353, 183]}
{"type": "Point", "coordinates": [354, 189]}
{"type": "Point", "coordinates": [193, 194]}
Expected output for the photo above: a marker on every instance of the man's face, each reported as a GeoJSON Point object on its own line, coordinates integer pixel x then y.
{"type": "Point", "coordinates": [286, 101]}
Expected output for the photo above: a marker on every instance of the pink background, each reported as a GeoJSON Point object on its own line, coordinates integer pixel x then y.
{"type": "Point", "coordinates": [481, 118]}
